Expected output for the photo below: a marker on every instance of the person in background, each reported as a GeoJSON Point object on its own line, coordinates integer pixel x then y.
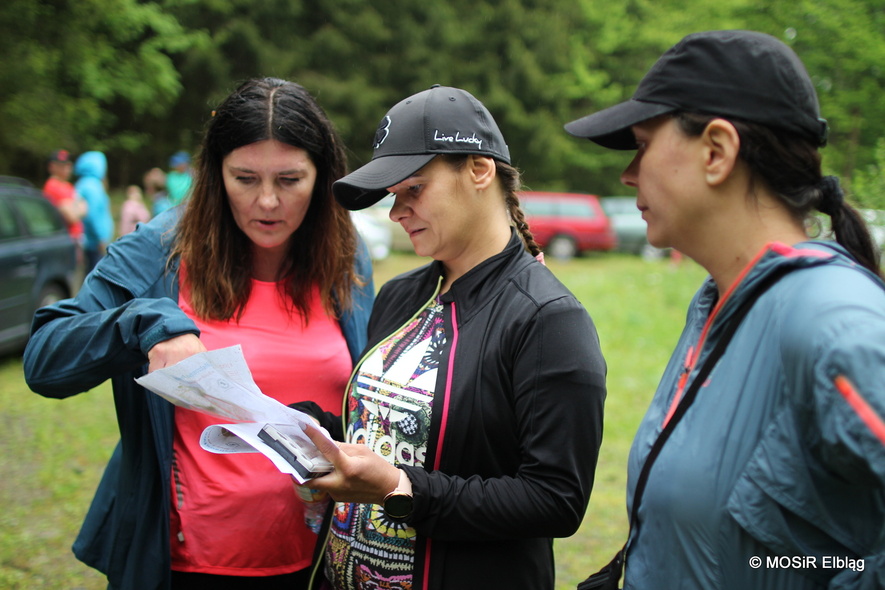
{"type": "Point", "coordinates": [260, 256]}
{"type": "Point", "coordinates": [155, 191]}
{"type": "Point", "coordinates": [179, 178]}
{"type": "Point", "coordinates": [61, 193]}
{"type": "Point", "coordinates": [98, 224]}
{"type": "Point", "coordinates": [782, 454]}
{"type": "Point", "coordinates": [133, 210]}
{"type": "Point", "coordinates": [474, 418]}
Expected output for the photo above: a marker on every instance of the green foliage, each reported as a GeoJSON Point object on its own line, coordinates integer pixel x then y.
{"type": "Point", "coordinates": [140, 78]}
{"type": "Point", "coordinates": [841, 44]}
{"type": "Point", "coordinates": [868, 188]}
{"type": "Point", "coordinates": [71, 71]}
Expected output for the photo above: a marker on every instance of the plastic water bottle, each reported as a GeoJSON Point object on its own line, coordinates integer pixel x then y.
{"type": "Point", "coordinates": [315, 503]}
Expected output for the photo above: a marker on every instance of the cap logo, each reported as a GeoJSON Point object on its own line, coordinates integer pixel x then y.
{"type": "Point", "coordinates": [382, 132]}
{"type": "Point", "coordinates": [457, 138]}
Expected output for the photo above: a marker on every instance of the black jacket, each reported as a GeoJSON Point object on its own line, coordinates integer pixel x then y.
{"type": "Point", "coordinates": [513, 466]}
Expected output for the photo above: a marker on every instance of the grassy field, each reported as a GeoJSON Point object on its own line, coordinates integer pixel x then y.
{"type": "Point", "coordinates": [52, 452]}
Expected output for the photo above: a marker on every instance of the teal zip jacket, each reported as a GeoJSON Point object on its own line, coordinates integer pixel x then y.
{"type": "Point", "coordinates": [775, 477]}
{"type": "Point", "coordinates": [126, 306]}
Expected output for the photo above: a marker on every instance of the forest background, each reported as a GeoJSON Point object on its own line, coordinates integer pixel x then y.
{"type": "Point", "coordinates": [139, 79]}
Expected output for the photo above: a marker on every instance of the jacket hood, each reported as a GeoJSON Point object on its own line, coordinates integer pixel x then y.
{"type": "Point", "coordinates": [91, 164]}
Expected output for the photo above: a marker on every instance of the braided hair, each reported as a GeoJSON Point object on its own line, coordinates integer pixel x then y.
{"type": "Point", "coordinates": [511, 184]}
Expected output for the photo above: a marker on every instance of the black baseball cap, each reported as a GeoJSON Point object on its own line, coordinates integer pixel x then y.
{"type": "Point", "coordinates": [747, 75]}
{"type": "Point", "coordinates": [440, 120]}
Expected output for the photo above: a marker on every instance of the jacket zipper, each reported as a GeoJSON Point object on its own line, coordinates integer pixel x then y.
{"type": "Point", "coordinates": [442, 430]}
{"type": "Point", "coordinates": [694, 352]}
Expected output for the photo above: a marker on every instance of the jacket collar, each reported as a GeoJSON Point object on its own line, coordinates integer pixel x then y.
{"type": "Point", "coordinates": [483, 282]}
{"type": "Point", "coordinates": [772, 257]}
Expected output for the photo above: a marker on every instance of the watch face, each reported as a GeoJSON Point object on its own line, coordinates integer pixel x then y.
{"type": "Point", "coordinates": [398, 506]}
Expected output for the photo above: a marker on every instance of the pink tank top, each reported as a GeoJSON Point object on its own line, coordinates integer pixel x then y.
{"type": "Point", "coordinates": [236, 514]}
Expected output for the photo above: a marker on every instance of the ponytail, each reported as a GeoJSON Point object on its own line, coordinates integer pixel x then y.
{"type": "Point", "coordinates": [848, 226]}
{"type": "Point", "coordinates": [790, 165]}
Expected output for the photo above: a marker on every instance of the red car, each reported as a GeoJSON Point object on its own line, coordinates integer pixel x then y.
{"type": "Point", "coordinates": [567, 224]}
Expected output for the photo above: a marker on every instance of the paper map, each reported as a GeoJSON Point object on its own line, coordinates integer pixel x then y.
{"type": "Point", "coordinates": [219, 383]}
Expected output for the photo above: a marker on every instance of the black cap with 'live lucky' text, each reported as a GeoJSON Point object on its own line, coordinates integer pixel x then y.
{"type": "Point", "coordinates": [440, 120]}
{"type": "Point", "coordinates": [747, 75]}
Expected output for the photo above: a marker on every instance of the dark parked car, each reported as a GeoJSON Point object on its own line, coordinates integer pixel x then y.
{"type": "Point", "coordinates": [627, 221]}
{"type": "Point", "coordinates": [38, 259]}
{"type": "Point", "coordinates": [567, 224]}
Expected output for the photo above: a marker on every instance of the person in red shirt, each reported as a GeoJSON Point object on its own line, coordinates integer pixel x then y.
{"type": "Point", "coordinates": [60, 192]}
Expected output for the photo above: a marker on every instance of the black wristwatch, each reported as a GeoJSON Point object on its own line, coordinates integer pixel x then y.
{"type": "Point", "coordinates": [398, 505]}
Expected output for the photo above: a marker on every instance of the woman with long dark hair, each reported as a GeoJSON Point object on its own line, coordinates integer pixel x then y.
{"type": "Point", "coordinates": [260, 255]}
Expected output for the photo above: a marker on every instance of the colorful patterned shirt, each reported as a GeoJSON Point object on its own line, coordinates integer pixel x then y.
{"type": "Point", "coordinates": [389, 409]}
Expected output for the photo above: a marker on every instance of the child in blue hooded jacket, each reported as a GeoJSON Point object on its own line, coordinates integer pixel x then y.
{"type": "Point", "coordinates": [98, 224]}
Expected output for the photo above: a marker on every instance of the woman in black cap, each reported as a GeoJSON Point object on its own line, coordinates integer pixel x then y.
{"type": "Point", "coordinates": [774, 474]}
{"type": "Point", "coordinates": [474, 418]}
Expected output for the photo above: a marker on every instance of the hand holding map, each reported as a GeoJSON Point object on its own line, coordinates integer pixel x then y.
{"type": "Point", "coordinates": [219, 383]}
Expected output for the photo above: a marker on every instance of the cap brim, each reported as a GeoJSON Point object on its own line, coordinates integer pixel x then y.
{"type": "Point", "coordinates": [367, 185]}
{"type": "Point", "coordinates": [610, 127]}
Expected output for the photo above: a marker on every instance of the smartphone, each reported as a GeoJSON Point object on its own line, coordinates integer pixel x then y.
{"type": "Point", "coordinates": [305, 458]}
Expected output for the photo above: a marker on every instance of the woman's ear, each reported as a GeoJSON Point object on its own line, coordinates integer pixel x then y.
{"type": "Point", "coordinates": [722, 144]}
{"type": "Point", "coordinates": [482, 170]}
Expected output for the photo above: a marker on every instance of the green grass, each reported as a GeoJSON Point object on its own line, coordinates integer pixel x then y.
{"type": "Point", "coordinates": [639, 310]}
{"type": "Point", "coordinates": [52, 452]}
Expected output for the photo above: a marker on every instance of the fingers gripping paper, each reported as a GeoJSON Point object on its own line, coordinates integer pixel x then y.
{"type": "Point", "coordinates": [219, 383]}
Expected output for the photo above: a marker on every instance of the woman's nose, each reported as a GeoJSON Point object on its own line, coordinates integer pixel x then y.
{"type": "Point", "coordinates": [630, 175]}
{"type": "Point", "coordinates": [267, 198]}
{"type": "Point", "coordinates": [398, 211]}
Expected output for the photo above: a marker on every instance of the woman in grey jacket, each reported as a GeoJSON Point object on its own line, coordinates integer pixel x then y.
{"type": "Point", "coordinates": [774, 477]}
{"type": "Point", "coordinates": [262, 256]}
{"type": "Point", "coordinates": [474, 416]}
